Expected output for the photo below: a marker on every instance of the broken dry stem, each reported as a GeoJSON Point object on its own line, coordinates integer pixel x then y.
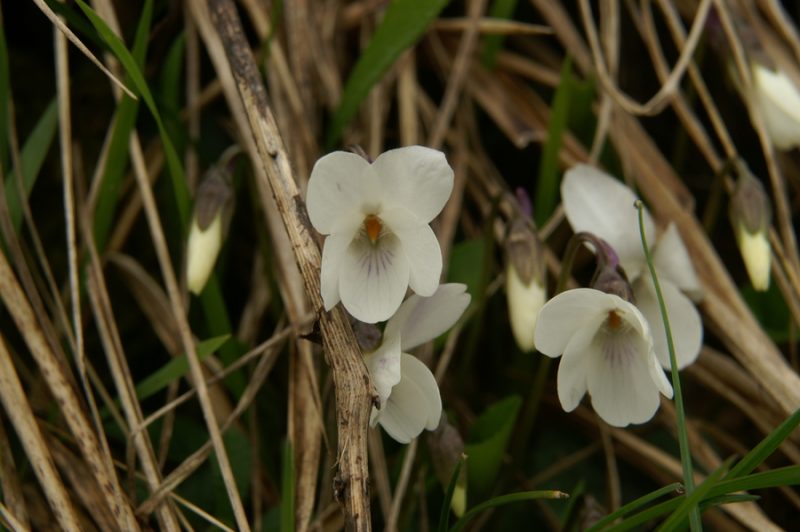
{"type": "Point", "coordinates": [353, 391]}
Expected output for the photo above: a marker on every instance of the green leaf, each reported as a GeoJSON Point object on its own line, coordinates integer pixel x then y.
{"type": "Point", "coordinates": [176, 368]}
{"type": "Point", "coordinates": [634, 505]}
{"type": "Point", "coordinates": [466, 264]}
{"type": "Point", "coordinates": [760, 452]}
{"type": "Point", "coordinates": [5, 98]}
{"type": "Point", "coordinates": [444, 514]}
{"type": "Point", "coordinates": [488, 440]}
{"type": "Point", "coordinates": [502, 9]}
{"type": "Point", "coordinates": [287, 489]}
{"type": "Point", "coordinates": [32, 157]}
{"type": "Point", "coordinates": [403, 23]}
{"type": "Point", "coordinates": [506, 499]}
{"type": "Point", "coordinates": [180, 189]}
{"type": "Point", "coordinates": [770, 310]}
{"type": "Point", "coordinates": [547, 188]}
{"type": "Point", "coordinates": [119, 146]}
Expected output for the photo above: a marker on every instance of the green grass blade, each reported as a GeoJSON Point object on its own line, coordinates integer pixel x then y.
{"type": "Point", "coordinates": [34, 152]}
{"type": "Point", "coordinates": [137, 78]}
{"type": "Point", "coordinates": [502, 9]}
{"type": "Point", "coordinates": [784, 476]}
{"type": "Point", "coordinates": [727, 499]}
{"type": "Point", "coordinates": [118, 150]}
{"type": "Point", "coordinates": [506, 499]}
{"type": "Point", "coordinates": [634, 505]}
{"type": "Point", "coordinates": [444, 515]}
{"type": "Point", "coordinates": [5, 98]}
{"type": "Point", "coordinates": [683, 437]}
{"type": "Point", "coordinates": [691, 501]}
{"type": "Point", "coordinates": [176, 368]}
{"type": "Point", "coordinates": [760, 452]}
{"type": "Point", "coordinates": [287, 489]}
{"type": "Point", "coordinates": [547, 188]}
{"type": "Point", "coordinates": [646, 516]}
{"type": "Point", "coordinates": [403, 23]}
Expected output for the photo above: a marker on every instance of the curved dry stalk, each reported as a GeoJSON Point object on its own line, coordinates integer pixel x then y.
{"type": "Point", "coordinates": [667, 91]}
{"type": "Point", "coordinates": [458, 75]}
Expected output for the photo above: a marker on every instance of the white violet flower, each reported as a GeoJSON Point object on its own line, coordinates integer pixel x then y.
{"type": "Point", "coordinates": [407, 390]}
{"type": "Point", "coordinates": [598, 203]}
{"type": "Point", "coordinates": [607, 350]}
{"type": "Point", "coordinates": [376, 216]}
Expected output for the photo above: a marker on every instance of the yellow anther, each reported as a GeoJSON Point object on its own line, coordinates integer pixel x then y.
{"type": "Point", "coordinates": [373, 226]}
{"type": "Point", "coordinates": [613, 320]}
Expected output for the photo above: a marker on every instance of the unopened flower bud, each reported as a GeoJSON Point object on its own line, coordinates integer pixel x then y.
{"type": "Point", "coordinates": [525, 280]}
{"type": "Point", "coordinates": [446, 448]}
{"type": "Point", "coordinates": [213, 209]}
{"type": "Point", "coordinates": [751, 214]}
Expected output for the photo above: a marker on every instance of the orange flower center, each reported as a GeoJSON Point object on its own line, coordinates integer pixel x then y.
{"type": "Point", "coordinates": [614, 321]}
{"type": "Point", "coordinates": [373, 226]}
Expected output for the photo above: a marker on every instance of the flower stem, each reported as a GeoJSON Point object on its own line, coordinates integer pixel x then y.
{"type": "Point", "coordinates": [683, 437]}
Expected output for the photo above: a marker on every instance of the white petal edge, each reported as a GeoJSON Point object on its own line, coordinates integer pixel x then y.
{"type": "Point", "coordinates": [413, 404]}
{"type": "Point", "coordinates": [574, 365]}
{"type": "Point", "coordinates": [672, 262]}
{"type": "Point", "coordinates": [597, 203]}
{"type": "Point", "coordinates": [333, 251]}
{"type": "Point", "coordinates": [340, 183]}
{"type": "Point", "coordinates": [414, 370]}
{"type": "Point", "coordinates": [384, 367]}
{"type": "Point", "coordinates": [684, 321]}
{"type": "Point", "coordinates": [420, 247]}
{"type": "Point", "coordinates": [565, 314]}
{"type": "Point", "coordinates": [421, 319]}
{"type": "Point", "coordinates": [417, 178]}
{"type": "Point", "coordinates": [524, 303]}
{"type": "Point", "coordinates": [373, 279]}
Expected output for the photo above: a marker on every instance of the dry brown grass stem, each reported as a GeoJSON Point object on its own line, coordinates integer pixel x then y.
{"type": "Point", "coordinates": [56, 20]}
{"type": "Point", "coordinates": [458, 75]}
{"type": "Point", "coordinates": [117, 362]}
{"type": "Point", "coordinates": [667, 90]}
{"type": "Point", "coordinates": [21, 415]}
{"type": "Point", "coordinates": [490, 26]}
{"type": "Point", "coordinates": [353, 392]}
{"type": "Point", "coordinates": [187, 342]}
{"type": "Point", "coordinates": [191, 463]}
{"type": "Point", "coordinates": [61, 387]}
{"type": "Point", "coordinates": [10, 482]}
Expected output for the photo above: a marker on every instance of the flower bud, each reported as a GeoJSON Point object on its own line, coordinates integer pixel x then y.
{"type": "Point", "coordinates": [446, 448]}
{"type": "Point", "coordinates": [751, 214]}
{"type": "Point", "coordinates": [213, 209]}
{"type": "Point", "coordinates": [609, 277]}
{"type": "Point", "coordinates": [525, 280]}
